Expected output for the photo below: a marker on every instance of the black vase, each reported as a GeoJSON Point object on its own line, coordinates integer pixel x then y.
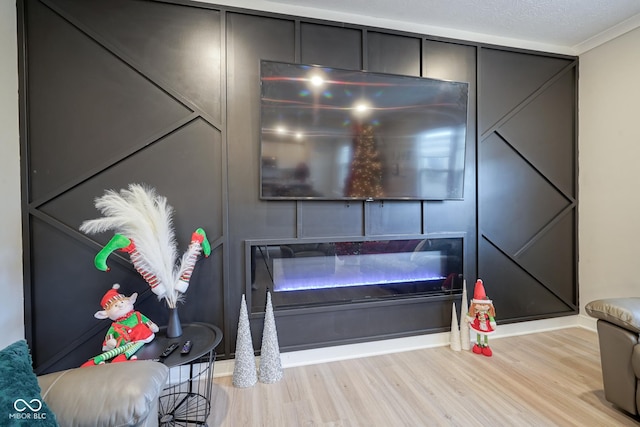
{"type": "Point", "coordinates": [174, 328]}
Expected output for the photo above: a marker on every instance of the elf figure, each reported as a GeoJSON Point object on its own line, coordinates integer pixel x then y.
{"type": "Point", "coordinates": [481, 319]}
{"type": "Point", "coordinates": [129, 325]}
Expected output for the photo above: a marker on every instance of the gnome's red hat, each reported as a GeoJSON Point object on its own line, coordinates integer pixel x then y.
{"type": "Point", "coordinates": [111, 296]}
{"type": "Point", "coordinates": [479, 295]}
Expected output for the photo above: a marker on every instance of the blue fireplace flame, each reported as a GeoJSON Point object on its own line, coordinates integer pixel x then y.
{"type": "Point", "coordinates": [322, 272]}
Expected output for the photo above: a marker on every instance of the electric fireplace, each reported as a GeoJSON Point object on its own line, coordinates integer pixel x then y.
{"type": "Point", "coordinates": [305, 273]}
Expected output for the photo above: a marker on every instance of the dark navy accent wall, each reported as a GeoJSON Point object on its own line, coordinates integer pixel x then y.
{"type": "Point", "coordinates": [167, 93]}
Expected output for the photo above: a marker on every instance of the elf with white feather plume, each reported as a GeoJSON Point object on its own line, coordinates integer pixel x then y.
{"type": "Point", "coordinates": [143, 223]}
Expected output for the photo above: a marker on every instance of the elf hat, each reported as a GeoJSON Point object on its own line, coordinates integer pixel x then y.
{"type": "Point", "coordinates": [479, 295]}
{"type": "Point", "coordinates": [111, 296]}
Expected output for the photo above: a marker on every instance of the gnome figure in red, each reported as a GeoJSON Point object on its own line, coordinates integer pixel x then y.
{"type": "Point", "coordinates": [481, 319]}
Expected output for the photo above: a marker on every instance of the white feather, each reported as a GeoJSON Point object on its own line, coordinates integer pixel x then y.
{"type": "Point", "coordinates": [153, 235]}
{"type": "Point", "coordinates": [144, 217]}
{"type": "Point", "coordinates": [194, 250]}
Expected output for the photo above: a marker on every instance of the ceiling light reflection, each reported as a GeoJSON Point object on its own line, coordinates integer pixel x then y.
{"type": "Point", "coordinates": [361, 108]}
{"type": "Point", "coordinates": [316, 80]}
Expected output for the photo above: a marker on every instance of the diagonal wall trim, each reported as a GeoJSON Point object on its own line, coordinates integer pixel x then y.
{"type": "Point", "coordinates": [527, 272]}
{"type": "Point", "coordinates": [77, 235]}
{"type": "Point", "coordinates": [538, 235]}
{"type": "Point", "coordinates": [117, 158]}
{"type": "Point", "coordinates": [217, 243]}
{"type": "Point", "coordinates": [88, 334]}
{"type": "Point", "coordinates": [92, 331]}
{"type": "Point", "coordinates": [567, 210]}
{"type": "Point", "coordinates": [569, 67]}
{"type": "Point", "coordinates": [145, 73]}
{"type": "Point", "coordinates": [569, 198]}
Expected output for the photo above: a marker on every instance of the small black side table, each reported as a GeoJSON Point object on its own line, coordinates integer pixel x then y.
{"type": "Point", "coordinates": [187, 398]}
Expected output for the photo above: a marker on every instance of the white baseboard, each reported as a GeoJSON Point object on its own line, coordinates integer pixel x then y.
{"type": "Point", "coordinates": [291, 359]}
{"type": "Point", "coordinates": [587, 322]}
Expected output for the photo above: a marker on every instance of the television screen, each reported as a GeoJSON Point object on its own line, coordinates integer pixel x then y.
{"type": "Point", "coordinates": [336, 134]}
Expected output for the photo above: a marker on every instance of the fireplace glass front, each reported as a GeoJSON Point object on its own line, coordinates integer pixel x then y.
{"type": "Point", "coordinates": [308, 274]}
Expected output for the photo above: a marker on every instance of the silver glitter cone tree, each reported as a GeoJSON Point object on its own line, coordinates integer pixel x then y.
{"type": "Point", "coordinates": [454, 338]}
{"type": "Point", "coordinates": [270, 363]}
{"type": "Point", "coordinates": [465, 337]}
{"type": "Point", "coordinates": [244, 370]}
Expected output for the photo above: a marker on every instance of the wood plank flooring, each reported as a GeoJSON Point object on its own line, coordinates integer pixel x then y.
{"type": "Point", "coordinates": [544, 379]}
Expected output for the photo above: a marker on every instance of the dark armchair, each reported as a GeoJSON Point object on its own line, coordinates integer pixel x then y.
{"type": "Point", "coordinates": [618, 332]}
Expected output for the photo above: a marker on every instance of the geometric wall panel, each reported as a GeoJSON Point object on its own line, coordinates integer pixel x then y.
{"type": "Point", "coordinates": [550, 259]}
{"type": "Point", "coordinates": [458, 62]}
{"type": "Point", "coordinates": [163, 39]}
{"type": "Point", "coordinates": [394, 217]}
{"type": "Point", "coordinates": [167, 93]}
{"type": "Point", "coordinates": [331, 46]}
{"type": "Point", "coordinates": [508, 78]}
{"type": "Point", "coordinates": [543, 133]}
{"type": "Point", "coordinates": [348, 219]}
{"type": "Point", "coordinates": [111, 103]}
{"type": "Point", "coordinates": [250, 39]}
{"type": "Point", "coordinates": [184, 167]}
{"type": "Point", "coordinates": [393, 54]}
{"type": "Point", "coordinates": [526, 182]}
{"type": "Point", "coordinates": [90, 105]}
{"type": "Point", "coordinates": [188, 156]}
{"type": "Point", "coordinates": [515, 293]}
{"type": "Point", "coordinates": [517, 201]}
{"type": "Point", "coordinates": [74, 288]}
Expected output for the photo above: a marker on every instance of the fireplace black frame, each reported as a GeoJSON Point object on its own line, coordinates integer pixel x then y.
{"type": "Point", "coordinates": [332, 256]}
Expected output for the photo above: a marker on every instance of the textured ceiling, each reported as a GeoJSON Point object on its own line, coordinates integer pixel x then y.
{"type": "Point", "coordinates": [567, 26]}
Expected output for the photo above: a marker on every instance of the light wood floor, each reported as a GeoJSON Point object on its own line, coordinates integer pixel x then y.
{"type": "Point", "coordinates": [545, 379]}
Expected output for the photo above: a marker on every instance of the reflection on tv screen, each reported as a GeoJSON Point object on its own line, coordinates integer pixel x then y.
{"type": "Point", "coordinates": [337, 134]}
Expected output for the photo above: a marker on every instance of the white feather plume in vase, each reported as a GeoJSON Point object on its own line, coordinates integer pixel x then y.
{"type": "Point", "coordinates": [144, 218]}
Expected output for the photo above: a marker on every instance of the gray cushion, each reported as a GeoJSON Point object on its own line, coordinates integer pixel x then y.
{"type": "Point", "coordinates": [111, 395]}
{"type": "Point", "coordinates": [624, 312]}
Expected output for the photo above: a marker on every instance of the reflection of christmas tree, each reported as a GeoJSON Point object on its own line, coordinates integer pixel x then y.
{"type": "Point", "coordinates": [365, 173]}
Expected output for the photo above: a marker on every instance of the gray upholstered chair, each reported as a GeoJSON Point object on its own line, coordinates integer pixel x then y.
{"type": "Point", "coordinates": [118, 394]}
{"type": "Point", "coordinates": [618, 332]}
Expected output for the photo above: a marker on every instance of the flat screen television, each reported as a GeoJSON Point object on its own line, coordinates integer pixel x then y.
{"type": "Point", "coordinates": [333, 134]}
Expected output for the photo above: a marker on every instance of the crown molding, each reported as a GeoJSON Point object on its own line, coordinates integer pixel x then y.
{"type": "Point", "coordinates": [390, 24]}
{"type": "Point", "coordinates": [607, 35]}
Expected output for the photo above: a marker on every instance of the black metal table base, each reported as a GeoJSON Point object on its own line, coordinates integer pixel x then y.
{"type": "Point", "coordinates": [183, 409]}
{"type": "Point", "coordinates": [186, 401]}
{"type": "Point", "coordinates": [186, 398]}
